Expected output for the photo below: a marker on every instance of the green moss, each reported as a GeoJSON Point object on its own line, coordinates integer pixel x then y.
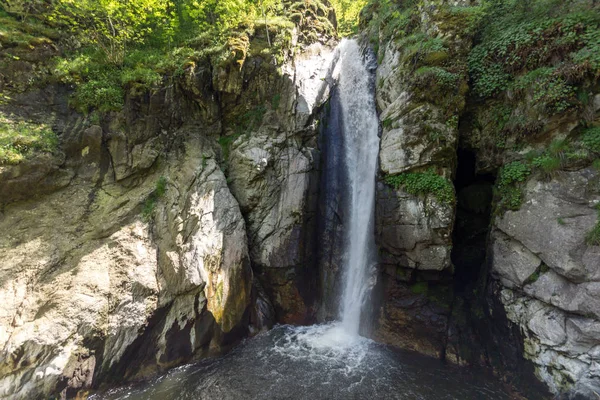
{"type": "Point", "coordinates": [159, 191]}
{"type": "Point", "coordinates": [541, 270]}
{"type": "Point", "coordinates": [275, 101]}
{"type": "Point", "coordinates": [464, 20]}
{"type": "Point", "coordinates": [419, 288]}
{"type": "Point", "coordinates": [20, 140]}
{"type": "Point", "coordinates": [387, 123]}
{"type": "Point", "coordinates": [423, 184]}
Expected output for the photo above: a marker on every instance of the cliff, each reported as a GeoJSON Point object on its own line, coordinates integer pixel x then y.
{"type": "Point", "coordinates": [196, 210]}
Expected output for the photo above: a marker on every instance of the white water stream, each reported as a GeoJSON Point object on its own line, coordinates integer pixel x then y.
{"type": "Point", "coordinates": [361, 142]}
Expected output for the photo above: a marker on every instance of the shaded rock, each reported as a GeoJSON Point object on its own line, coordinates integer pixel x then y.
{"type": "Point", "coordinates": [558, 309]}
{"type": "Point", "coordinates": [560, 246]}
{"type": "Point", "coordinates": [413, 232]}
{"type": "Point", "coordinates": [512, 261]}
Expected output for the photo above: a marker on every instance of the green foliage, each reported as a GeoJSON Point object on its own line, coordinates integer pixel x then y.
{"type": "Point", "coordinates": [547, 163]}
{"type": "Point", "coordinates": [422, 184]}
{"type": "Point", "coordinates": [275, 101]}
{"type": "Point", "coordinates": [536, 274]}
{"type": "Point", "coordinates": [102, 93]}
{"type": "Point", "coordinates": [112, 25]}
{"type": "Point", "coordinates": [591, 139]}
{"type": "Point", "coordinates": [25, 32]}
{"type": "Point", "coordinates": [507, 185]}
{"type": "Point", "coordinates": [225, 142]}
{"type": "Point", "coordinates": [387, 19]}
{"type": "Point", "coordinates": [115, 46]}
{"type": "Point", "coordinates": [347, 12]}
{"type": "Point", "coordinates": [419, 288]}
{"type": "Point", "coordinates": [438, 76]}
{"type": "Point", "coordinates": [542, 47]}
{"type": "Point", "coordinates": [150, 204]}
{"type": "Point", "coordinates": [421, 49]}
{"type": "Point", "coordinates": [515, 172]}
{"type": "Point", "coordinates": [250, 119]}
{"type": "Point", "coordinates": [20, 140]}
{"type": "Point", "coordinates": [547, 87]}
{"type": "Point", "coordinates": [593, 237]}
{"type": "Point", "coordinates": [465, 20]}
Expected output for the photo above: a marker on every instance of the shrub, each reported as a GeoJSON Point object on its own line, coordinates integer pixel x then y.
{"type": "Point", "coordinates": [591, 139]}
{"type": "Point", "coordinates": [437, 75]}
{"type": "Point", "coordinates": [103, 93]}
{"type": "Point", "coordinates": [510, 194]}
{"type": "Point", "coordinates": [548, 164]}
{"type": "Point", "coordinates": [423, 183]}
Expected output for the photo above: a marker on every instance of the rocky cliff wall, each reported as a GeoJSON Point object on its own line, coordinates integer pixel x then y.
{"type": "Point", "coordinates": [167, 231]}
{"type": "Point", "coordinates": [486, 220]}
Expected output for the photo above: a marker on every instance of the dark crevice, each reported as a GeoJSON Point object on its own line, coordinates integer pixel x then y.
{"type": "Point", "coordinates": [473, 216]}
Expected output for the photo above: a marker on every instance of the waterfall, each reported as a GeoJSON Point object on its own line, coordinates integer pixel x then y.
{"type": "Point", "coordinates": [361, 148]}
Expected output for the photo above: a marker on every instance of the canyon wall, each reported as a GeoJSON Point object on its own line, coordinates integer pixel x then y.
{"type": "Point", "coordinates": [165, 232]}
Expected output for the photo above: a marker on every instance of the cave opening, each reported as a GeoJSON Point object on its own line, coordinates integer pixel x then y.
{"type": "Point", "coordinates": [473, 215]}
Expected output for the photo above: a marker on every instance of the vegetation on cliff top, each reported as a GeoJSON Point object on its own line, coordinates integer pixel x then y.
{"type": "Point", "coordinates": [110, 47]}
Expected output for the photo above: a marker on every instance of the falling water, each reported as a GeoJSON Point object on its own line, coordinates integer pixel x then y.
{"type": "Point", "coordinates": [361, 145]}
{"type": "Point", "coordinates": [329, 361]}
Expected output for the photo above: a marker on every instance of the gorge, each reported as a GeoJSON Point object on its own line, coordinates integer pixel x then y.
{"type": "Point", "coordinates": [258, 208]}
{"type": "Point", "coordinates": [329, 360]}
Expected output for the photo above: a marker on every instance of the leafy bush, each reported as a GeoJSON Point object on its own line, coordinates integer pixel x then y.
{"type": "Point", "coordinates": [591, 139]}
{"type": "Point", "coordinates": [514, 172]}
{"type": "Point", "coordinates": [507, 185]}
{"type": "Point", "coordinates": [422, 184]}
{"type": "Point", "coordinates": [535, 36]}
{"type": "Point", "coordinates": [347, 12]}
{"type": "Point", "coordinates": [103, 93]}
{"type": "Point", "coordinates": [547, 88]}
{"type": "Point", "coordinates": [547, 163]}
{"type": "Point", "coordinates": [447, 80]}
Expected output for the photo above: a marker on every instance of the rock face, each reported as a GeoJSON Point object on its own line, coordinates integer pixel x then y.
{"type": "Point", "coordinates": [550, 279]}
{"type": "Point", "coordinates": [94, 291]}
{"type": "Point", "coordinates": [162, 234]}
{"type": "Point", "coordinates": [273, 173]}
{"type": "Point", "coordinates": [414, 231]}
{"type": "Point", "coordinates": [465, 280]}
